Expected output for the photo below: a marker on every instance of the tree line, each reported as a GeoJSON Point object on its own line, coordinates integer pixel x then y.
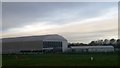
{"type": "Point", "coordinates": [105, 42]}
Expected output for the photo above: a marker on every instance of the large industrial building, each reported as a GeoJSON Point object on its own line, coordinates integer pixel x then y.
{"type": "Point", "coordinates": [44, 43]}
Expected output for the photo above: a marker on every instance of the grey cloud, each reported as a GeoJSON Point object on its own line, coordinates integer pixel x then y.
{"type": "Point", "coordinates": [0, 33]}
{"type": "Point", "coordinates": [60, 0]}
{"type": "Point", "coordinates": [16, 14]}
{"type": "Point", "coordinates": [29, 11]}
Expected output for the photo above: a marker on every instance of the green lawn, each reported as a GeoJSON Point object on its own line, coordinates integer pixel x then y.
{"type": "Point", "coordinates": [0, 60]}
{"type": "Point", "coordinates": [61, 60]}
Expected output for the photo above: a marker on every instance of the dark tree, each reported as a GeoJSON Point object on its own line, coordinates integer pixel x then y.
{"type": "Point", "coordinates": [112, 42]}
{"type": "Point", "coordinates": [92, 43]}
{"type": "Point", "coordinates": [118, 43]}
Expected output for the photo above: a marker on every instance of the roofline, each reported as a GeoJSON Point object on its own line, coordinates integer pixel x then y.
{"type": "Point", "coordinates": [30, 36]}
{"type": "Point", "coordinates": [33, 38]}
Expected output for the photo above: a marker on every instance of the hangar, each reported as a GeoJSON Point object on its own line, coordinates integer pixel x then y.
{"type": "Point", "coordinates": [42, 43]}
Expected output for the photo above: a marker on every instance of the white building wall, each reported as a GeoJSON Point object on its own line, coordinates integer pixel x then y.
{"type": "Point", "coordinates": [64, 46]}
{"type": "Point", "coordinates": [93, 48]}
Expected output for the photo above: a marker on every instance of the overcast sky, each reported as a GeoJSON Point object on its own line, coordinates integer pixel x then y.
{"type": "Point", "coordinates": [76, 21]}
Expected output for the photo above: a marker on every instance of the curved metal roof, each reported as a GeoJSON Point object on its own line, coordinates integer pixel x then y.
{"type": "Point", "coordinates": [53, 37]}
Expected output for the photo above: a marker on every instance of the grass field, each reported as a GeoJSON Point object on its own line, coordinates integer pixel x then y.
{"type": "Point", "coordinates": [61, 60]}
{"type": "Point", "coordinates": [0, 60]}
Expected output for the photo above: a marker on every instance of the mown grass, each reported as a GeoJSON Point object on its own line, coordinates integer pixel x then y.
{"type": "Point", "coordinates": [61, 60]}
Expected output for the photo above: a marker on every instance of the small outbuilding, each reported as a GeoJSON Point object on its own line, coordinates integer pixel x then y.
{"type": "Point", "coordinates": [92, 48]}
